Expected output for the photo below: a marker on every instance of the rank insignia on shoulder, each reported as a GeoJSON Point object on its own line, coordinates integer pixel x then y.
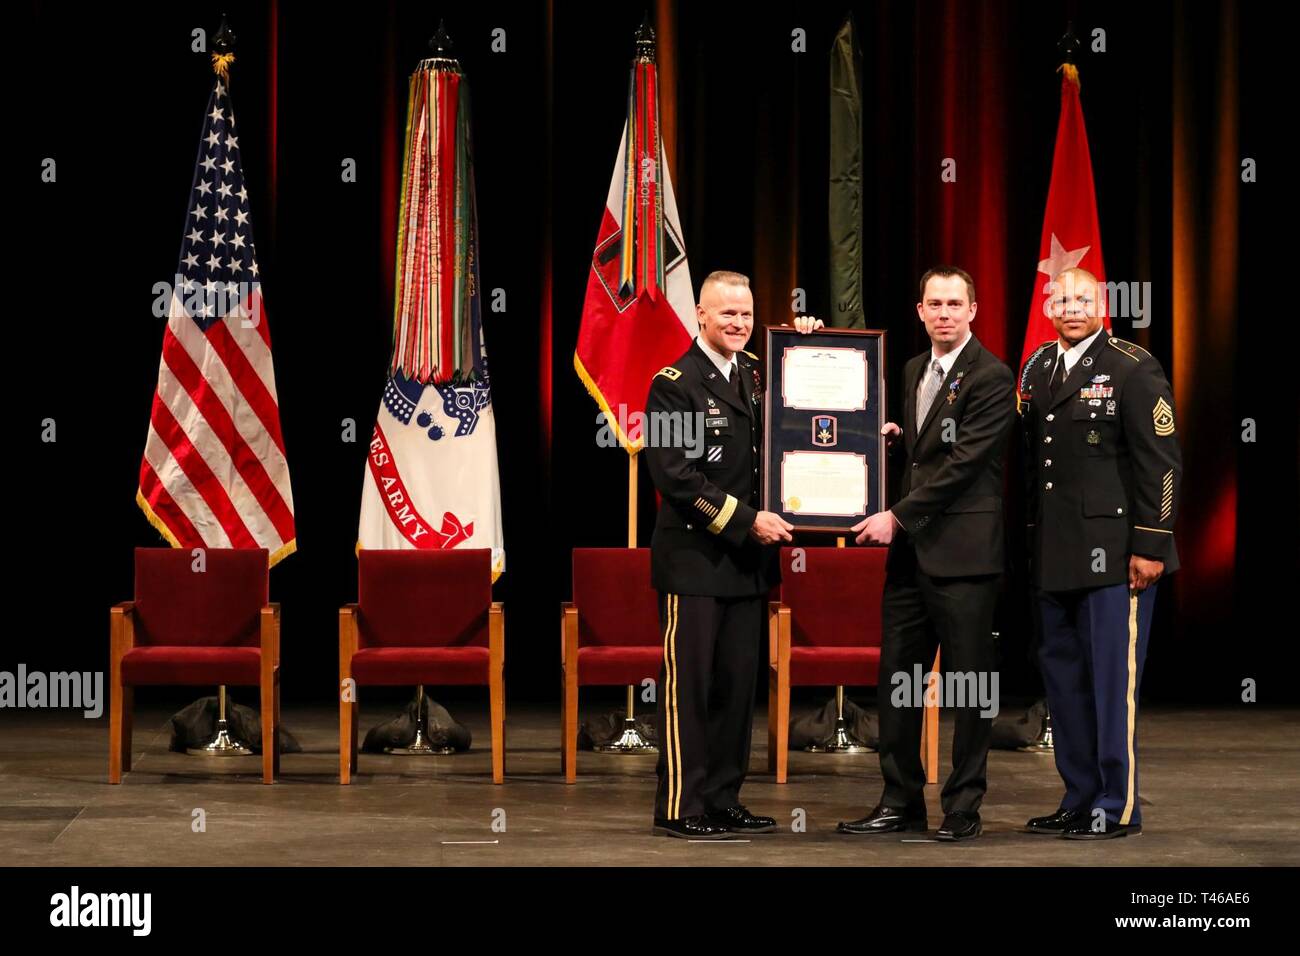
{"type": "Point", "coordinates": [1163, 418]}
{"type": "Point", "coordinates": [669, 373]}
{"type": "Point", "coordinates": [1135, 352]}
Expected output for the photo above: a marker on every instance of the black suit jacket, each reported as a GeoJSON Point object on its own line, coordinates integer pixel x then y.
{"type": "Point", "coordinates": [710, 493]}
{"type": "Point", "coordinates": [950, 502]}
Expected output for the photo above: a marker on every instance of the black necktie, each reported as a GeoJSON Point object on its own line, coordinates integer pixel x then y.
{"type": "Point", "coordinates": [1058, 375]}
{"type": "Point", "coordinates": [736, 383]}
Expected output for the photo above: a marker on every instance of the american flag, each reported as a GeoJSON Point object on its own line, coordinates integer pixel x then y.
{"type": "Point", "coordinates": [214, 472]}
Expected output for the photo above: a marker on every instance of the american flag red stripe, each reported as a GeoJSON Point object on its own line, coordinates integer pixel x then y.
{"type": "Point", "coordinates": [249, 382]}
{"type": "Point", "coordinates": [163, 505]}
{"type": "Point", "coordinates": [218, 419]}
{"type": "Point", "coordinates": [196, 469]}
{"type": "Point", "coordinates": [214, 472]}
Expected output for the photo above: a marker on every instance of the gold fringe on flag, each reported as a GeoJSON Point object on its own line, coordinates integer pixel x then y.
{"type": "Point", "coordinates": [1071, 73]}
{"type": "Point", "coordinates": [221, 65]}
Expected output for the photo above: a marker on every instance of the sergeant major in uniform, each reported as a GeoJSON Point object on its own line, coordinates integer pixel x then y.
{"type": "Point", "coordinates": [1104, 469]}
{"type": "Point", "coordinates": [713, 559]}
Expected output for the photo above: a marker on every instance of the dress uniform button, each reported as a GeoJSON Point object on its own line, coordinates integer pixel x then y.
{"type": "Point", "coordinates": [914, 465]}
{"type": "Point", "coordinates": [690, 527]}
{"type": "Point", "coordinates": [1051, 418]}
{"type": "Point", "coordinates": [1048, 439]}
{"type": "Point", "coordinates": [1093, 415]}
{"type": "Point", "coordinates": [716, 432]}
{"type": "Point", "coordinates": [1119, 511]}
{"type": "Point", "coordinates": [1048, 486]}
{"type": "Point", "coordinates": [1048, 463]}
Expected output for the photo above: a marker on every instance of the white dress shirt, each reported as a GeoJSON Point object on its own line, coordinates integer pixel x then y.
{"type": "Point", "coordinates": [1075, 352]}
{"type": "Point", "coordinates": [947, 361]}
{"type": "Point", "coordinates": [725, 366]}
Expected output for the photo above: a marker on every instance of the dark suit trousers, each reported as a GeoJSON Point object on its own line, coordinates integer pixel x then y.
{"type": "Point", "coordinates": [705, 701]}
{"type": "Point", "coordinates": [919, 614]}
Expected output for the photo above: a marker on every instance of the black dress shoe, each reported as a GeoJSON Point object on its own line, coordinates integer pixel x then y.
{"type": "Point", "coordinates": [1053, 824]}
{"type": "Point", "coordinates": [737, 819]}
{"type": "Point", "coordinates": [698, 827]}
{"type": "Point", "coordinates": [885, 819]}
{"type": "Point", "coordinates": [959, 826]}
{"type": "Point", "coordinates": [1082, 829]}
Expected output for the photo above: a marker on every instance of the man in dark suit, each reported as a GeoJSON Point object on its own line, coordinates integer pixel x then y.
{"type": "Point", "coordinates": [945, 537]}
{"type": "Point", "coordinates": [713, 559]}
{"type": "Point", "coordinates": [1103, 489]}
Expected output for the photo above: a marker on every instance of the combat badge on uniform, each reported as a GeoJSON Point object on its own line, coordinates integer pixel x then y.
{"type": "Point", "coordinates": [1163, 417]}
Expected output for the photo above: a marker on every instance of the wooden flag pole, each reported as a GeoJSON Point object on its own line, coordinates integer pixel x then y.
{"type": "Point", "coordinates": [631, 499]}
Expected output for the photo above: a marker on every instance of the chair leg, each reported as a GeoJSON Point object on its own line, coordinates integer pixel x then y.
{"type": "Point", "coordinates": [497, 705]}
{"type": "Point", "coordinates": [268, 729]}
{"type": "Point", "coordinates": [569, 749]}
{"type": "Point", "coordinates": [128, 725]}
{"type": "Point", "coordinates": [930, 729]}
{"type": "Point", "coordinates": [119, 735]}
{"type": "Point", "coordinates": [771, 720]}
{"type": "Point", "coordinates": [276, 764]}
{"type": "Point", "coordinates": [347, 743]}
{"type": "Point", "coordinates": [782, 729]}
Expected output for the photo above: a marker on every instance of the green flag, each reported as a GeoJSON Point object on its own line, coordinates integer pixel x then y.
{"type": "Point", "coordinates": [846, 181]}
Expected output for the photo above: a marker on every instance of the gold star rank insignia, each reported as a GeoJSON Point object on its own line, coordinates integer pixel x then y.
{"type": "Point", "coordinates": [1163, 417]}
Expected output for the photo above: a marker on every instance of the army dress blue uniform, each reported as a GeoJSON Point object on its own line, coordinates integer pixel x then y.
{"type": "Point", "coordinates": [1103, 482]}
{"type": "Point", "coordinates": [711, 576]}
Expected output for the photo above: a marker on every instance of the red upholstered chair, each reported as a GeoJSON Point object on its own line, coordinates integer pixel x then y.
{"type": "Point", "coordinates": [609, 632]}
{"type": "Point", "coordinates": [189, 627]}
{"type": "Point", "coordinates": [825, 631]}
{"type": "Point", "coordinates": [421, 617]}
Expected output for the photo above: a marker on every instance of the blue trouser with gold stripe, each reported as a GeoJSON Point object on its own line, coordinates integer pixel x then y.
{"type": "Point", "coordinates": [705, 712]}
{"type": "Point", "coordinates": [1092, 647]}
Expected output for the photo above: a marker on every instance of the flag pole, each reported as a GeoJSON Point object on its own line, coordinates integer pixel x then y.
{"type": "Point", "coordinates": [222, 743]}
{"type": "Point", "coordinates": [631, 741]}
{"type": "Point", "coordinates": [631, 500]}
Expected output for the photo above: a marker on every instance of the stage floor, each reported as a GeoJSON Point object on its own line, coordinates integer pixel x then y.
{"type": "Point", "coordinates": [1218, 787]}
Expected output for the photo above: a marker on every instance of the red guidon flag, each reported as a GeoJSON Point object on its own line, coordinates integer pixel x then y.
{"type": "Point", "coordinates": [1071, 236]}
{"type": "Point", "coordinates": [639, 314]}
{"type": "Point", "coordinates": [214, 472]}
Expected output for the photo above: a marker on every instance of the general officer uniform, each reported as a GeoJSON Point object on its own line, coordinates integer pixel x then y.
{"type": "Point", "coordinates": [712, 578]}
{"type": "Point", "coordinates": [1104, 472]}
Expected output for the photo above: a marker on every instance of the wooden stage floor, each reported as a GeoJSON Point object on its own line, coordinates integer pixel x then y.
{"type": "Point", "coordinates": [1219, 788]}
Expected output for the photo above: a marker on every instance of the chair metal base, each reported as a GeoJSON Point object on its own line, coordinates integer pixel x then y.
{"type": "Point", "coordinates": [222, 744]}
{"type": "Point", "coordinates": [840, 742]}
{"type": "Point", "coordinates": [629, 742]}
{"type": "Point", "coordinates": [420, 747]}
{"type": "Point", "coordinates": [1043, 743]}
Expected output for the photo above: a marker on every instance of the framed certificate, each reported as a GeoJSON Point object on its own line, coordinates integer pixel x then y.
{"type": "Point", "coordinates": [825, 405]}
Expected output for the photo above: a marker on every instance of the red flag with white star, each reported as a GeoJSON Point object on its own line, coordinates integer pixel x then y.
{"type": "Point", "coordinates": [1071, 236]}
